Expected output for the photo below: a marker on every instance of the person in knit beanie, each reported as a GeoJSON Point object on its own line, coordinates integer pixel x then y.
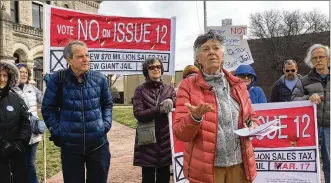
{"type": "Point", "coordinates": [189, 71]}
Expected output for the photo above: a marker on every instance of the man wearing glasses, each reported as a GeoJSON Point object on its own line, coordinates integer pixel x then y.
{"type": "Point", "coordinates": [283, 88]}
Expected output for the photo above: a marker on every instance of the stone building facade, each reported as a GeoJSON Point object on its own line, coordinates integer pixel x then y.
{"type": "Point", "coordinates": [21, 34]}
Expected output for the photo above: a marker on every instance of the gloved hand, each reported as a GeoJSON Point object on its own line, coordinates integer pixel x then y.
{"type": "Point", "coordinates": [6, 148]}
{"type": "Point", "coordinates": [19, 146]}
{"type": "Point", "coordinates": [166, 106]}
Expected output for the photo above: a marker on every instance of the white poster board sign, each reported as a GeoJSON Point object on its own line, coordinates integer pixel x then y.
{"type": "Point", "coordinates": [237, 50]}
{"type": "Point", "coordinates": [237, 55]}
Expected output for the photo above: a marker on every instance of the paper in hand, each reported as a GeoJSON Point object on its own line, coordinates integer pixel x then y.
{"type": "Point", "coordinates": [261, 130]}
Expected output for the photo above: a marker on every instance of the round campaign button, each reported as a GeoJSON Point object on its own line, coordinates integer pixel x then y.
{"type": "Point", "coordinates": [10, 108]}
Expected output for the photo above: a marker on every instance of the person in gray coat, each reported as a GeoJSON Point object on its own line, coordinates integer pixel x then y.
{"type": "Point", "coordinates": [315, 86]}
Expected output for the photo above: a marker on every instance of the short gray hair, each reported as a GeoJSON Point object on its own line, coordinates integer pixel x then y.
{"type": "Point", "coordinates": [210, 35]}
{"type": "Point", "coordinates": [308, 58]}
{"type": "Point", "coordinates": [67, 51]}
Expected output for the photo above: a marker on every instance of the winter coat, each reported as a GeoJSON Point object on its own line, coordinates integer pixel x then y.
{"type": "Point", "coordinates": [256, 93]}
{"type": "Point", "coordinates": [280, 92]}
{"type": "Point", "coordinates": [201, 137]}
{"type": "Point", "coordinates": [86, 112]}
{"type": "Point", "coordinates": [145, 109]}
{"type": "Point", "coordinates": [310, 84]}
{"type": "Point", "coordinates": [14, 119]}
{"type": "Point", "coordinates": [31, 96]}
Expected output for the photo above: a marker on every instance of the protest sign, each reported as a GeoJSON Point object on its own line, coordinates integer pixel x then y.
{"type": "Point", "coordinates": [290, 154]}
{"type": "Point", "coordinates": [237, 50]}
{"type": "Point", "coordinates": [115, 44]}
{"type": "Point", "coordinates": [177, 149]}
{"type": "Point", "coordinates": [227, 21]}
{"type": "Point", "coordinates": [237, 55]}
{"type": "Point", "coordinates": [237, 30]}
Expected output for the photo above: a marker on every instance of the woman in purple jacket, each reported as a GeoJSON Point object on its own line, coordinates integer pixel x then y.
{"type": "Point", "coordinates": [154, 157]}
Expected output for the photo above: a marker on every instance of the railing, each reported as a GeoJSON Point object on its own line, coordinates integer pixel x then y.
{"type": "Point", "coordinates": [25, 29]}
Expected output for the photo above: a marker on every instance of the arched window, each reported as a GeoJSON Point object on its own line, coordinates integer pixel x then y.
{"type": "Point", "coordinates": [17, 56]}
{"type": "Point", "coordinates": [66, 5]}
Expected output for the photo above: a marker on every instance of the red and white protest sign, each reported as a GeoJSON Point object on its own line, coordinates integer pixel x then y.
{"type": "Point", "coordinates": [177, 150]}
{"type": "Point", "coordinates": [291, 153]}
{"type": "Point", "coordinates": [116, 44]}
{"type": "Point", "coordinates": [287, 155]}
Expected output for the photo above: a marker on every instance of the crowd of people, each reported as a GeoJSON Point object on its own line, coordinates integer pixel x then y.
{"type": "Point", "coordinates": [77, 109]}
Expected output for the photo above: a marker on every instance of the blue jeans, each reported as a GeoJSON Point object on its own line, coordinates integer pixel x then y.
{"type": "Point", "coordinates": [97, 166]}
{"type": "Point", "coordinates": [324, 134]}
{"type": "Point", "coordinates": [31, 152]}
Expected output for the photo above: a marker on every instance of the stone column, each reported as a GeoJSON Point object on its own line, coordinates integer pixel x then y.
{"type": "Point", "coordinates": [30, 64]}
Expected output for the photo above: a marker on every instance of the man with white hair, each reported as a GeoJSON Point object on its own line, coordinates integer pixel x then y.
{"type": "Point", "coordinates": [315, 86]}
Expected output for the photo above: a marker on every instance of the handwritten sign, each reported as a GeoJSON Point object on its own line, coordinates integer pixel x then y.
{"type": "Point", "coordinates": [231, 40]}
{"type": "Point", "coordinates": [115, 44]}
{"type": "Point", "coordinates": [237, 50]}
{"type": "Point", "coordinates": [238, 30]}
{"type": "Point", "coordinates": [237, 55]}
{"type": "Point", "coordinates": [227, 21]}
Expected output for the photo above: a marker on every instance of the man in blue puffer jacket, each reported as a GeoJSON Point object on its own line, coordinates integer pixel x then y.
{"type": "Point", "coordinates": [247, 74]}
{"type": "Point", "coordinates": [85, 117]}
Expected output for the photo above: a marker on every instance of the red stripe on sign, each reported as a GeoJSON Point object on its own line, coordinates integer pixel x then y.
{"type": "Point", "coordinates": [298, 128]}
{"type": "Point", "coordinates": [99, 31]}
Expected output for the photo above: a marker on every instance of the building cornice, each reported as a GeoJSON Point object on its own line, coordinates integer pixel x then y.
{"type": "Point", "coordinates": [26, 31]}
{"type": "Point", "coordinates": [94, 4]}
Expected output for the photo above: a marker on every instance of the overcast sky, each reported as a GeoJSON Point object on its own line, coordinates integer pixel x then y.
{"type": "Point", "coordinates": [189, 16]}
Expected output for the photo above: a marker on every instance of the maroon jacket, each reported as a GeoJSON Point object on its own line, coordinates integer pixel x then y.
{"type": "Point", "coordinates": [145, 109]}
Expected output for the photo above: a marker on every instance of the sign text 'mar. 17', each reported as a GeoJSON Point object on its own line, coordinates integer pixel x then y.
{"type": "Point", "coordinates": [115, 44]}
{"type": "Point", "coordinates": [290, 154]}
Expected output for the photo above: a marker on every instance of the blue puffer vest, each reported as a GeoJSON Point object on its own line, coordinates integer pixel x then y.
{"type": "Point", "coordinates": [86, 113]}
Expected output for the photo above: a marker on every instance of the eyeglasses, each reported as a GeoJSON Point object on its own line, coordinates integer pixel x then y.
{"type": "Point", "coordinates": [23, 72]}
{"type": "Point", "coordinates": [21, 65]}
{"type": "Point", "coordinates": [153, 67]}
{"type": "Point", "coordinates": [243, 76]}
{"type": "Point", "coordinates": [318, 58]}
{"type": "Point", "coordinates": [292, 70]}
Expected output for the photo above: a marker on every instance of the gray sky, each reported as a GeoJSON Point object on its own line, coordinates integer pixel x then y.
{"type": "Point", "coordinates": [189, 16]}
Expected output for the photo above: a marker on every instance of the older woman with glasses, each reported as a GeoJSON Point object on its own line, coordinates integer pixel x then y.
{"type": "Point", "coordinates": [315, 86]}
{"type": "Point", "coordinates": [31, 96]}
{"type": "Point", "coordinates": [247, 74]}
{"type": "Point", "coordinates": [152, 101]}
{"type": "Point", "coordinates": [209, 107]}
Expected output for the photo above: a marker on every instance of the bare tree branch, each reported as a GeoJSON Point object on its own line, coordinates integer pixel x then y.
{"type": "Point", "coordinates": [282, 32]}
